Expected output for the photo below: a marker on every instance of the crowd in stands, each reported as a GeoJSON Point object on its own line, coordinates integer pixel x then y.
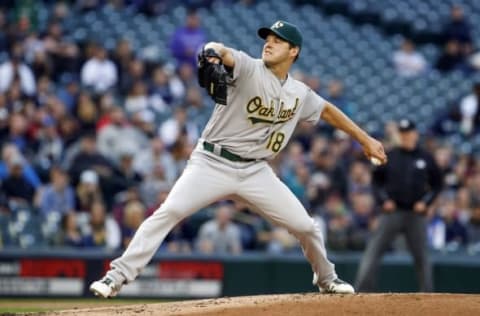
{"type": "Point", "coordinates": [458, 50]}
{"type": "Point", "coordinates": [93, 139]}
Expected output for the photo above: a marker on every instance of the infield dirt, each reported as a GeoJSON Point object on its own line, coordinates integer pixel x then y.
{"type": "Point", "coordinates": [308, 304]}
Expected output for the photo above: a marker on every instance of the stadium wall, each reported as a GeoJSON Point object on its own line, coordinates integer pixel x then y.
{"type": "Point", "coordinates": [67, 273]}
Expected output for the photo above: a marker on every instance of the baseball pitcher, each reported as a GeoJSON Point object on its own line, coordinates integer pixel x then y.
{"type": "Point", "coordinates": [258, 105]}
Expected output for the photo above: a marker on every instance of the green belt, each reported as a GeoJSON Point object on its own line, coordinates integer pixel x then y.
{"type": "Point", "coordinates": [225, 153]}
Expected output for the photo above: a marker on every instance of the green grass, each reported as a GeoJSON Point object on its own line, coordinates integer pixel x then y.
{"type": "Point", "coordinates": [37, 305]}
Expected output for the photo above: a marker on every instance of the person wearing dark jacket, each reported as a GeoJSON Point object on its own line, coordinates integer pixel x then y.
{"type": "Point", "coordinates": [405, 187]}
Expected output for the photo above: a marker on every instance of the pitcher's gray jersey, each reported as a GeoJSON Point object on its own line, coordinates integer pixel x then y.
{"type": "Point", "coordinates": [261, 113]}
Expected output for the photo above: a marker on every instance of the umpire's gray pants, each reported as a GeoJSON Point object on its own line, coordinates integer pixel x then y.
{"type": "Point", "coordinates": [390, 224]}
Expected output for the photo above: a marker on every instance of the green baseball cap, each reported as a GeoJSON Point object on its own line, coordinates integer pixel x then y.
{"type": "Point", "coordinates": [284, 30]}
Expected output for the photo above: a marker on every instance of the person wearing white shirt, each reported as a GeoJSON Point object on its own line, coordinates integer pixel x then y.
{"type": "Point", "coordinates": [469, 111]}
{"type": "Point", "coordinates": [99, 72]}
{"type": "Point", "coordinates": [408, 62]}
{"type": "Point", "coordinates": [172, 129]}
{"type": "Point", "coordinates": [15, 67]}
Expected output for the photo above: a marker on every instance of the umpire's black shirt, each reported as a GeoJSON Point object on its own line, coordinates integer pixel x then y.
{"type": "Point", "coordinates": [408, 177]}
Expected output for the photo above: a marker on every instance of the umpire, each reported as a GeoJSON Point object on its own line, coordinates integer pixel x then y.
{"type": "Point", "coordinates": [404, 187]}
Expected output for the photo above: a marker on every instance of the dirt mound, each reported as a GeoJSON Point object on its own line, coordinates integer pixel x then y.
{"type": "Point", "coordinates": [304, 305]}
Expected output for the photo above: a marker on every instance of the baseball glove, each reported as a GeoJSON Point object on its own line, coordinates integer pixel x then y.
{"type": "Point", "coordinates": [212, 76]}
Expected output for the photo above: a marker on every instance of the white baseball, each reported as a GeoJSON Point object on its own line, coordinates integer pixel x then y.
{"type": "Point", "coordinates": [375, 161]}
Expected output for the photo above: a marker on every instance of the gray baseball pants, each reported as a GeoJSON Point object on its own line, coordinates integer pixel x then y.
{"type": "Point", "coordinates": [413, 226]}
{"type": "Point", "coordinates": [208, 178]}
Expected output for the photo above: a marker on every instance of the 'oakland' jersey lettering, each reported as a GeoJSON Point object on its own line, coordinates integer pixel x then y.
{"type": "Point", "coordinates": [259, 109]}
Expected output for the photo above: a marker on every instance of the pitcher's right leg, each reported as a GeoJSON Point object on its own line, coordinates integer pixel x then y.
{"type": "Point", "coordinates": [272, 199]}
{"type": "Point", "coordinates": [201, 184]}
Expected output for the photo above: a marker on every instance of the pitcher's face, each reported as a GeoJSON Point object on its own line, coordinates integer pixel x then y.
{"type": "Point", "coordinates": [276, 50]}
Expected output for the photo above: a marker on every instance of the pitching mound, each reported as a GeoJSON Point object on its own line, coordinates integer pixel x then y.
{"type": "Point", "coordinates": [304, 305]}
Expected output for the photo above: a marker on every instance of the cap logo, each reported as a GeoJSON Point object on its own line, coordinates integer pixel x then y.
{"type": "Point", "coordinates": [404, 123]}
{"type": "Point", "coordinates": [277, 25]}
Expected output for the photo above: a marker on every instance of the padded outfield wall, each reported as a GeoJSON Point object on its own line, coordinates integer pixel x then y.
{"type": "Point", "coordinates": [67, 273]}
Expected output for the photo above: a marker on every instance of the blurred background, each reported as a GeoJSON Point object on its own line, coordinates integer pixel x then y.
{"type": "Point", "coordinates": [100, 110]}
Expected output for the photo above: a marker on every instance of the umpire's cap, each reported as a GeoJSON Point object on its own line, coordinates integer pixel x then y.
{"type": "Point", "coordinates": [284, 30]}
{"type": "Point", "coordinates": [405, 125]}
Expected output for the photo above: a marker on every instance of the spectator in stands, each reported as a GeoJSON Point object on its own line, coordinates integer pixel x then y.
{"type": "Point", "coordinates": [9, 153]}
{"type": "Point", "coordinates": [145, 122]}
{"type": "Point", "coordinates": [178, 126]}
{"type": "Point", "coordinates": [359, 178]}
{"type": "Point", "coordinates": [444, 158]}
{"type": "Point", "coordinates": [297, 181]}
{"type": "Point", "coordinates": [133, 216]}
{"type": "Point", "coordinates": [472, 180]}
{"type": "Point", "coordinates": [408, 62]}
{"type": "Point", "coordinates": [14, 69]}
{"type": "Point", "coordinates": [154, 182]}
{"type": "Point", "coordinates": [120, 135]}
{"type": "Point", "coordinates": [159, 199]}
{"type": "Point", "coordinates": [89, 158]}
{"type": "Point", "coordinates": [180, 238]}
{"type": "Point", "coordinates": [86, 113]}
{"type": "Point", "coordinates": [455, 231]}
{"type": "Point", "coordinates": [151, 8]}
{"type": "Point", "coordinates": [137, 100]}
{"type": "Point", "coordinates": [165, 87]}
{"type": "Point", "coordinates": [17, 132]}
{"type": "Point", "coordinates": [281, 241]}
{"type": "Point", "coordinates": [44, 91]}
{"type": "Point", "coordinates": [146, 160]}
{"type": "Point", "coordinates": [451, 58]}
{"type": "Point", "coordinates": [435, 228]}
{"type": "Point", "coordinates": [122, 57]}
{"type": "Point", "coordinates": [69, 234]}
{"type": "Point", "coordinates": [124, 176]}
{"type": "Point", "coordinates": [363, 221]}
{"type": "Point", "coordinates": [57, 196]}
{"type": "Point", "coordinates": [187, 40]}
{"type": "Point", "coordinates": [16, 187]}
{"type": "Point", "coordinates": [99, 72]}
{"type": "Point", "coordinates": [464, 203]}
{"type": "Point", "coordinates": [186, 73]}
{"type": "Point", "coordinates": [295, 155]}
{"type": "Point", "coordinates": [470, 111]}
{"type": "Point", "coordinates": [69, 91]}
{"type": "Point", "coordinates": [326, 174]}
{"type": "Point", "coordinates": [103, 230]}
{"type": "Point", "coordinates": [135, 72]}
{"type": "Point", "coordinates": [60, 12]}
{"type": "Point", "coordinates": [64, 55]}
{"type": "Point", "coordinates": [41, 65]}
{"type": "Point", "coordinates": [249, 223]}
{"type": "Point", "coordinates": [49, 146]}
{"type": "Point", "coordinates": [458, 29]}
{"type": "Point", "coordinates": [3, 27]}
{"type": "Point", "coordinates": [220, 235]}
{"type": "Point", "coordinates": [197, 110]}
{"type": "Point", "coordinates": [87, 191]}
{"type": "Point", "coordinates": [336, 96]}
{"type": "Point", "coordinates": [337, 220]}
{"type": "Point", "coordinates": [68, 129]}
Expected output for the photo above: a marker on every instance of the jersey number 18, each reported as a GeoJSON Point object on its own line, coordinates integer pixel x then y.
{"type": "Point", "coordinates": [275, 141]}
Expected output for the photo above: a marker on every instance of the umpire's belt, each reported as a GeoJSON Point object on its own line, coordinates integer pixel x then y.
{"type": "Point", "coordinates": [225, 153]}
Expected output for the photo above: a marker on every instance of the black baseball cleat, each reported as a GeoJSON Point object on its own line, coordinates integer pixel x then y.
{"type": "Point", "coordinates": [336, 286]}
{"type": "Point", "coordinates": [105, 288]}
